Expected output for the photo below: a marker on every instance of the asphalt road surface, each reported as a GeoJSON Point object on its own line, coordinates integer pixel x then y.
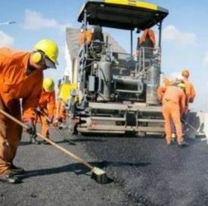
{"type": "Point", "coordinates": [146, 172]}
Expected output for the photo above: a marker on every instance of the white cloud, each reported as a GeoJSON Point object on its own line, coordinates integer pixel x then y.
{"type": "Point", "coordinates": [171, 33]}
{"type": "Point", "coordinates": [5, 40]}
{"type": "Point", "coordinates": [36, 21]}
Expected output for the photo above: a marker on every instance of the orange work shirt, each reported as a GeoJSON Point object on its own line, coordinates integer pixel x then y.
{"type": "Point", "coordinates": [47, 102]}
{"type": "Point", "coordinates": [85, 38]}
{"type": "Point", "coordinates": [15, 83]}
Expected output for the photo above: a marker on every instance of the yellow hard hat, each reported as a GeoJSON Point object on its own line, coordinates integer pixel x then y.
{"type": "Point", "coordinates": [49, 48]}
{"type": "Point", "coordinates": [48, 84]}
{"type": "Point", "coordinates": [182, 85]}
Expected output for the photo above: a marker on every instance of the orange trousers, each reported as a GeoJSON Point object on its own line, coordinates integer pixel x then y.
{"type": "Point", "coordinates": [60, 111]}
{"type": "Point", "coordinates": [170, 111]}
{"type": "Point", "coordinates": [10, 135]}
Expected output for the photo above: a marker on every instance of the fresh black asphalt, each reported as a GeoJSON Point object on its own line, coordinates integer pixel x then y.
{"type": "Point", "coordinates": [146, 172]}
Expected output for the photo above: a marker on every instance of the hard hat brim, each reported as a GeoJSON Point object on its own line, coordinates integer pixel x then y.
{"type": "Point", "coordinates": [50, 64]}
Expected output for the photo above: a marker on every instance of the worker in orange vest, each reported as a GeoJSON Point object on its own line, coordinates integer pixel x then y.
{"type": "Point", "coordinates": [46, 107]}
{"type": "Point", "coordinates": [173, 106]}
{"type": "Point", "coordinates": [147, 40]}
{"type": "Point", "coordinates": [21, 75]}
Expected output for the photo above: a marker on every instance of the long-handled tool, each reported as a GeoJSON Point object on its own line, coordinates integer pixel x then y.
{"type": "Point", "coordinates": [98, 174]}
{"type": "Point", "coordinates": [71, 142]}
{"type": "Point", "coordinates": [191, 127]}
{"type": "Point", "coordinates": [195, 130]}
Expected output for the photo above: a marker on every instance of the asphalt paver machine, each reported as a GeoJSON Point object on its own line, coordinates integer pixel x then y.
{"type": "Point", "coordinates": [117, 91]}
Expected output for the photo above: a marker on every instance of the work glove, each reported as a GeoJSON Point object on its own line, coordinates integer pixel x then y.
{"type": "Point", "coordinates": [31, 128]}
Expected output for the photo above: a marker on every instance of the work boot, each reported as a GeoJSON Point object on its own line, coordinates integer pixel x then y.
{"type": "Point", "coordinates": [17, 170]}
{"type": "Point", "coordinates": [9, 178]}
{"type": "Point", "coordinates": [169, 143]}
{"type": "Point", "coordinates": [183, 144]}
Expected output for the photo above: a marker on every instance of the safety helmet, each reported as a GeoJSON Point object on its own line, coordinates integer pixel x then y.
{"type": "Point", "coordinates": [185, 73]}
{"type": "Point", "coordinates": [179, 77]}
{"type": "Point", "coordinates": [48, 84]}
{"type": "Point", "coordinates": [49, 48]}
{"type": "Point", "coordinates": [181, 85]}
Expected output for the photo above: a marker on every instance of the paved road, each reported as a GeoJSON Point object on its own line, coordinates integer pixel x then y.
{"type": "Point", "coordinates": [145, 171]}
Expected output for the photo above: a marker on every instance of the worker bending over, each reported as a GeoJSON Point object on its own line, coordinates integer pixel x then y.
{"type": "Point", "coordinates": [46, 107]}
{"type": "Point", "coordinates": [21, 75]}
{"type": "Point", "coordinates": [173, 106]}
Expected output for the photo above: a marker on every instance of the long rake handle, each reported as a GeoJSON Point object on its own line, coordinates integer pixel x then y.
{"type": "Point", "coordinates": [72, 155]}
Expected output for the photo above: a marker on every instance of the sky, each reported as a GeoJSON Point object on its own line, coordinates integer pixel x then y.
{"type": "Point", "coordinates": [184, 44]}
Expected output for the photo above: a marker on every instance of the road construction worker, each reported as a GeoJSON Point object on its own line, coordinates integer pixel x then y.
{"type": "Point", "coordinates": [60, 111]}
{"type": "Point", "coordinates": [46, 107]}
{"type": "Point", "coordinates": [173, 106]}
{"type": "Point", "coordinates": [21, 75]}
{"type": "Point", "coordinates": [190, 91]}
{"type": "Point", "coordinates": [147, 40]}
{"type": "Point", "coordinates": [63, 94]}
{"type": "Point", "coordinates": [85, 37]}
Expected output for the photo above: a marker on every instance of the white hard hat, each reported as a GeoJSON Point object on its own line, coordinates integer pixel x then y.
{"type": "Point", "coordinates": [179, 77]}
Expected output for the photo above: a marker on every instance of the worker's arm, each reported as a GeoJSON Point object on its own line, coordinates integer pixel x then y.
{"type": "Point", "coordinates": [51, 105]}
{"type": "Point", "coordinates": [30, 102]}
{"type": "Point", "coordinates": [166, 81]}
{"type": "Point", "coordinates": [192, 94]}
{"type": "Point", "coordinates": [160, 92]}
